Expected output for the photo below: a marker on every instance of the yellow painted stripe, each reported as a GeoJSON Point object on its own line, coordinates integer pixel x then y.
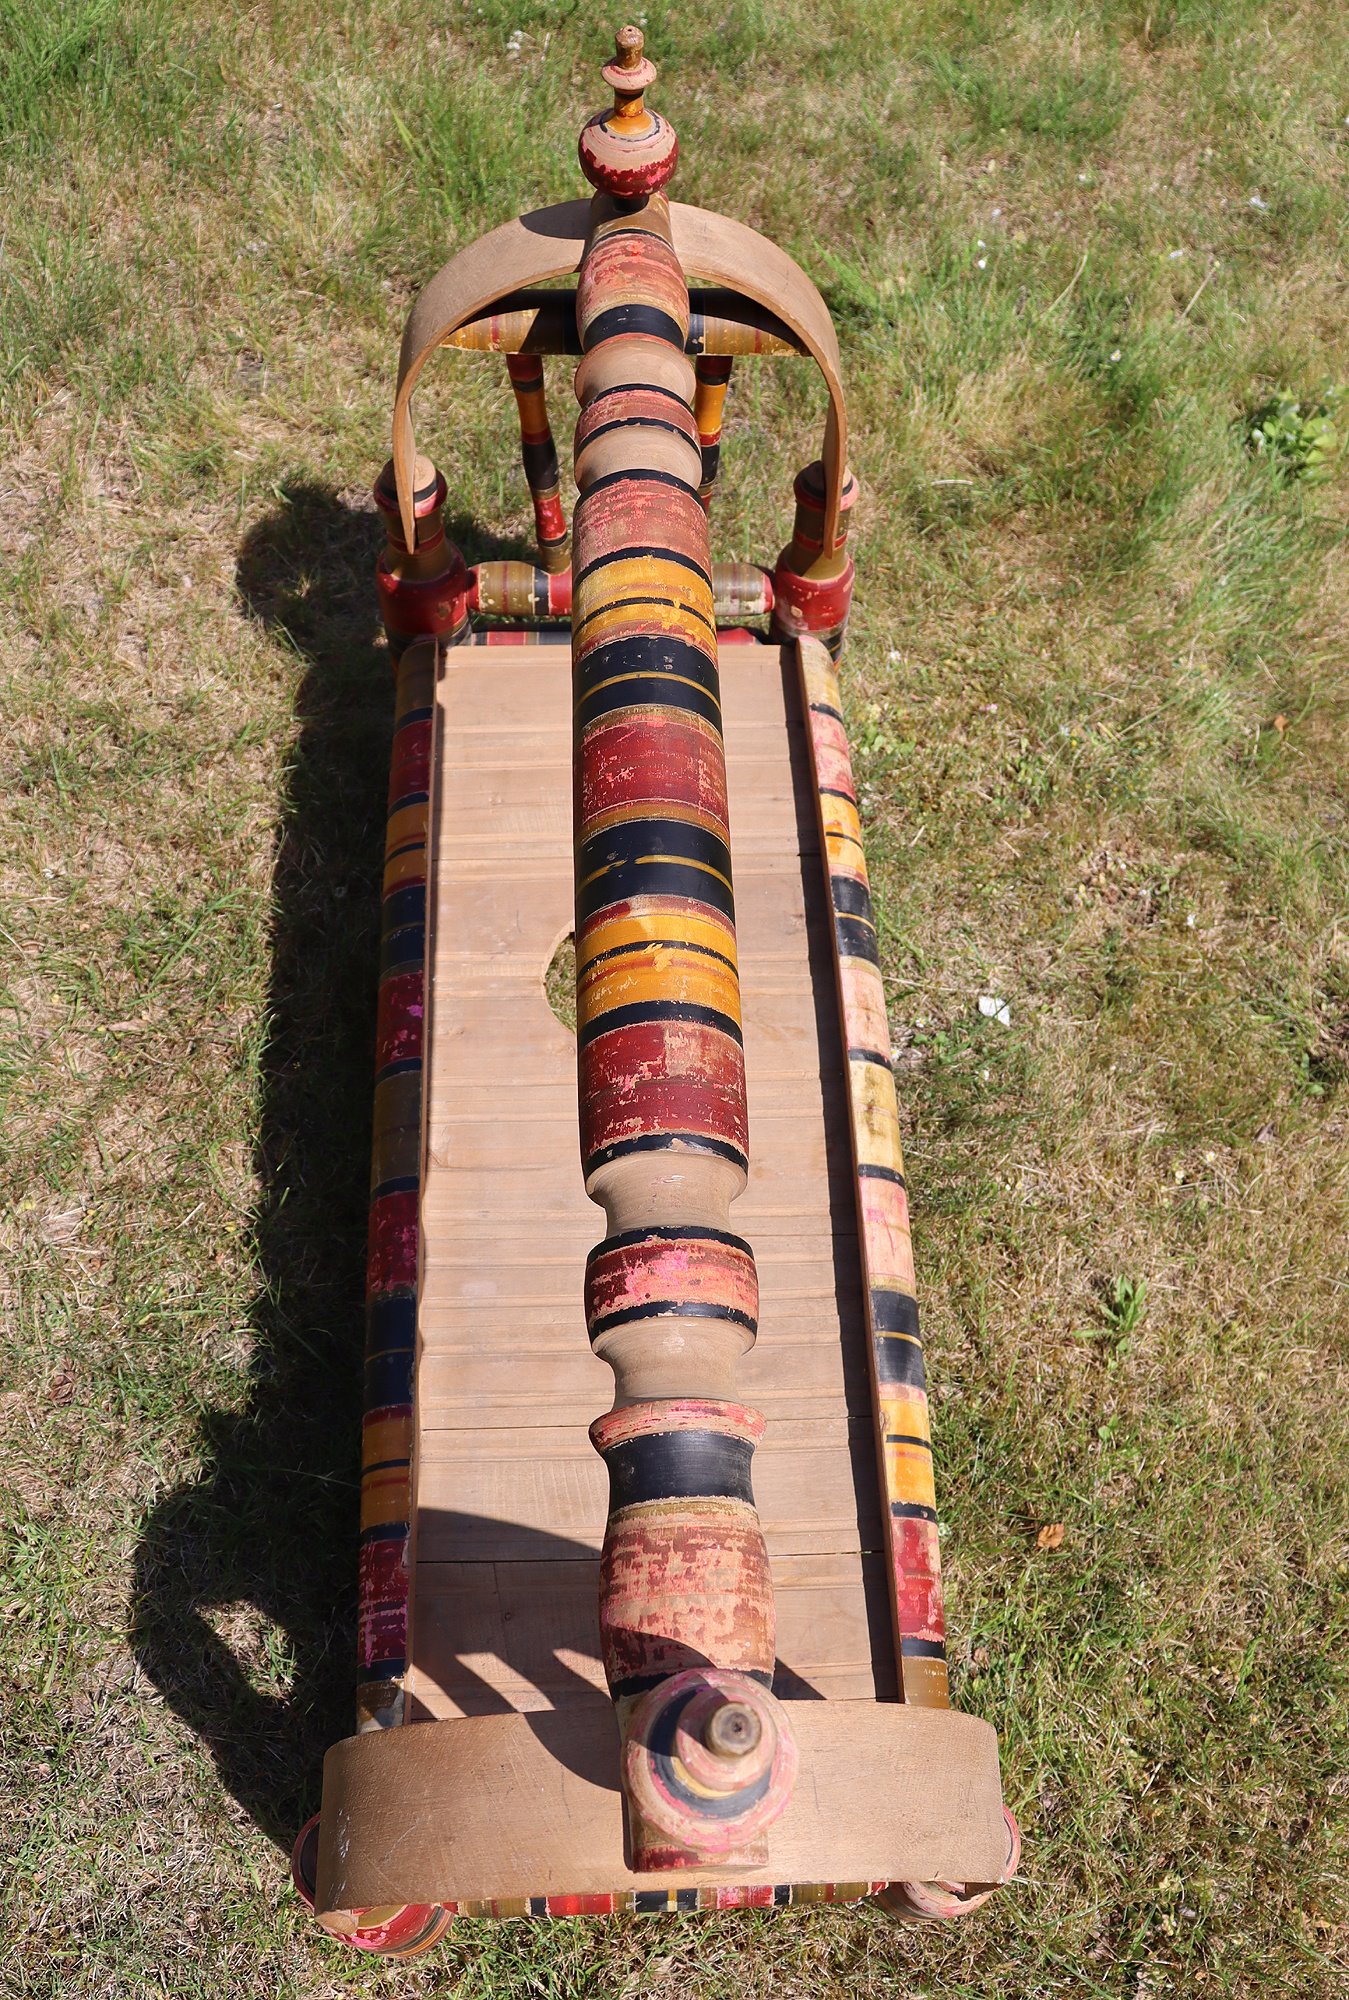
{"type": "Point", "coordinates": [658, 926]}
{"type": "Point", "coordinates": [875, 1115]}
{"type": "Point", "coordinates": [658, 972]}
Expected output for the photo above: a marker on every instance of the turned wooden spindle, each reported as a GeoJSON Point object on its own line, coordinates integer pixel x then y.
{"type": "Point", "coordinates": [539, 456]}
{"type": "Point", "coordinates": [686, 1604]}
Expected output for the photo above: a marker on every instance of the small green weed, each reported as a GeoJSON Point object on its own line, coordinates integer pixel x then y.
{"type": "Point", "coordinates": [1301, 437]}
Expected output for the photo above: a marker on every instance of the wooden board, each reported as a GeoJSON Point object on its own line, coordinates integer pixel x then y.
{"type": "Point", "coordinates": [509, 1496]}
{"type": "Point", "coordinates": [525, 1806]}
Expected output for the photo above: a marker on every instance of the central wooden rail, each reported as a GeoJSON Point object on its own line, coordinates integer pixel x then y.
{"type": "Point", "coordinates": [686, 1601]}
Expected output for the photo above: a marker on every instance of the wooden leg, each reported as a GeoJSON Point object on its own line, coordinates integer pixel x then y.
{"type": "Point", "coordinates": [712, 373]}
{"type": "Point", "coordinates": [539, 454]}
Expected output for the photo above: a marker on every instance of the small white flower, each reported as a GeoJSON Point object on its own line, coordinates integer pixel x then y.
{"type": "Point", "coordinates": [1115, 355]}
{"type": "Point", "coordinates": [994, 1009]}
{"type": "Point", "coordinates": [1189, 921]}
{"type": "Point", "coordinates": [996, 212]}
{"type": "Point", "coordinates": [981, 263]}
{"type": "Point", "coordinates": [1255, 202]}
{"type": "Point", "coordinates": [1173, 254]}
{"type": "Point", "coordinates": [979, 244]}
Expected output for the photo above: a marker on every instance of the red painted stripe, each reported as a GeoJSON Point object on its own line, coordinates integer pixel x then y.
{"type": "Point", "coordinates": [656, 757]}
{"type": "Point", "coordinates": [410, 766]}
{"type": "Point", "coordinates": [398, 1032]}
{"type": "Point", "coordinates": [393, 1242]}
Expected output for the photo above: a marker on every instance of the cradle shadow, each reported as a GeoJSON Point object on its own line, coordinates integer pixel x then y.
{"type": "Point", "coordinates": [263, 1541]}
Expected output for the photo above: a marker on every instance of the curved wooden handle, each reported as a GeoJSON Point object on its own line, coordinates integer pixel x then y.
{"type": "Point", "coordinates": [671, 1293]}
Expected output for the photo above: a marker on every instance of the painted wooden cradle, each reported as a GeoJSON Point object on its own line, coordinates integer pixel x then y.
{"type": "Point", "coordinates": [699, 1702]}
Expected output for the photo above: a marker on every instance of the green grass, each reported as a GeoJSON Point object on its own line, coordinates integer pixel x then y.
{"type": "Point", "coordinates": [1096, 683]}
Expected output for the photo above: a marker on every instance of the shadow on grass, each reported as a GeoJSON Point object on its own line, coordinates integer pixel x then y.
{"type": "Point", "coordinates": [271, 1522]}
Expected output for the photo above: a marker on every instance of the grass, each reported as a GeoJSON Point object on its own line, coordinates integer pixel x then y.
{"type": "Point", "coordinates": [1096, 681]}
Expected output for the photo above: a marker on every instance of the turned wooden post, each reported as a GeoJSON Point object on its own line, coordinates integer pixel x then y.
{"type": "Point", "coordinates": [686, 1603]}
{"type": "Point", "coordinates": [423, 588]}
{"type": "Point", "coordinates": [812, 584]}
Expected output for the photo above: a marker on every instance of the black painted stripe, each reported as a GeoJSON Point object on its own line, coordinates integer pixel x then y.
{"type": "Point", "coordinates": [851, 898]}
{"type": "Point", "coordinates": [404, 906]}
{"type": "Point", "coordinates": [903, 1437]}
{"type": "Point", "coordinates": [911, 1510]}
{"type": "Point", "coordinates": [641, 388]}
{"type": "Point", "coordinates": [406, 947]}
{"type": "Point", "coordinates": [627, 553]}
{"type": "Point", "coordinates": [664, 1142]}
{"type": "Point", "coordinates": [867, 1172]}
{"type": "Point", "coordinates": [679, 1465]}
{"type": "Point", "coordinates": [646, 653]}
{"type": "Point", "coordinates": [383, 1670]}
{"type": "Point", "coordinates": [837, 792]}
{"type": "Point", "coordinates": [711, 456]}
{"type": "Point", "coordinates": [409, 799]}
{"type": "Point", "coordinates": [782, 1895]}
{"type": "Point", "coordinates": [893, 1312]}
{"type": "Point", "coordinates": [633, 1684]}
{"type": "Point", "coordinates": [400, 1184]}
{"type": "Point", "coordinates": [388, 1531]}
{"type": "Point", "coordinates": [640, 476]}
{"type": "Point", "coordinates": [391, 1322]}
{"type": "Point", "coordinates": [670, 1232]}
{"type": "Point", "coordinates": [653, 857]}
{"type": "Point", "coordinates": [538, 1906]}
{"type": "Point", "coordinates": [671, 1309]}
{"type": "Point", "coordinates": [648, 690]}
{"type": "Point", "coordinates": [384, 1465]}
{"type": "Point", "coordinates": [869, 1056]}
{"type": "Point", "coordinates": [541, 467]}
{"type": "Point", "coordinates": [922, 1649]}
{"type": "Point", "coordinates": [626, 423]}
{"type": "Point", "coordinates": [638, 1013]}
{"type": "Point", "coordinates": [857, 939]}
{"type": "Point", "coordinates": [412, 716]}
{"type": "Point", "coordinates": [824, 708]}
{"type": "Point", "coordinates": [388, 1380]}
{"type": "Point", "coordinates": [899, 1363]}
{"type": "Point", "coordinates": [632, 316]}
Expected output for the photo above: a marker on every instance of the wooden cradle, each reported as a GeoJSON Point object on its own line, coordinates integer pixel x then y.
{"type": "Point", "coordinates": [488, 1776]}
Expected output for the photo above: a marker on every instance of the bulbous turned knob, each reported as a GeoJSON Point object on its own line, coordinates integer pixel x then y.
{"type": "Point", "coordinates": [628, 151]}
{"type": "Point", "coordinates": [709, 1763]}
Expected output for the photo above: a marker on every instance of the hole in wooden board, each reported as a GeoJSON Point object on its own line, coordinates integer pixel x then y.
{"type": "Point", "coordinates": [559, 982]}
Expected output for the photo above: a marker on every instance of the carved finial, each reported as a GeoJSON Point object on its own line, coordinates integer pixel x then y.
{"type": "Point", "coordinates": [628, 151]}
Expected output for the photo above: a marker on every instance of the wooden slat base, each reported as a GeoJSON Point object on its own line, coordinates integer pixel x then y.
{"type": "Point", "coordinates": [507, 1482]}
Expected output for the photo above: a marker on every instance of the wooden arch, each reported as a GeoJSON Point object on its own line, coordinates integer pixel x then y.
{"type": "Point", "coordinates": [550, 242]}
